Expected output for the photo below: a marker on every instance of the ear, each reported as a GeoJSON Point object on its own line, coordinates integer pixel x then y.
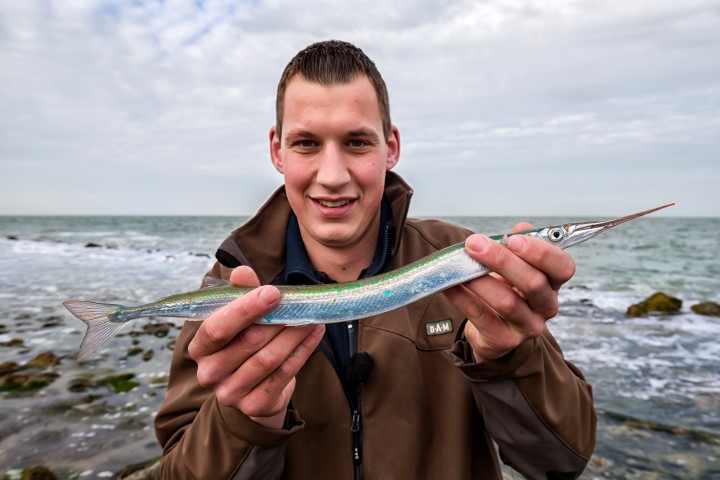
{"type": "Point", "coordinates": [393, 143]}
{"type": "Point", "coordinates": [275, 145]}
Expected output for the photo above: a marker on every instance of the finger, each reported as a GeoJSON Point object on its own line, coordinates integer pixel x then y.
{"type": "Point", "coordinates": [215, 368]}
{"type": "Point", "coordinates": [244, 276]}
{"type": "Point", "coordinates": [499, 306]}
{"type": "Point", "coordinates": [225, 323]}
{"type": "Point", "coordinates": [529, 280]}
{"type": "Point", "coordinates": [557, 265]}
{"type": "Point", "coordinates": [489, 335]}
{"type": "Point", "coordinates": [521, 227]}
{"type": "Point", "coordinates": [257, 385]}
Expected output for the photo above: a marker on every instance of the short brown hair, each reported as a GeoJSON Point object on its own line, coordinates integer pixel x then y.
{"type": "Point", "coordinates": [333, 62]}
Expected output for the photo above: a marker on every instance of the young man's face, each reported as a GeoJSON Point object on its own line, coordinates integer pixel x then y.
{"type": "Point", "coordinates": [334, 156]}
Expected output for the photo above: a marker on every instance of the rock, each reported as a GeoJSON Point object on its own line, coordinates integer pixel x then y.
{"type": "Point", "coordinates": [26, 382]}
{"type": "Point", "coordinates": [143, 471]}
{"type": "Point", "coordinates": [711, 309]}
{"type": "Point", "coordinates": [655, 303]}
{"type": "Point", "coordinates": [120, 383]}
{"type": "Point", "coordinates": [11, 237]}
{"type": "Point", "coordinates": [92, 245]}
{"type": "Point", "coordinates": [158, 329]}
{"type": "Point", "coordinates": [54, 321]}
{"type": "Point", "coordinates": [134, 351]}
{"type": "Point", "coordinates": [9, 367]}
{"type": "Point", "coordinates": [79, 385]}
{"type": "Point", "coordinates": [148, 355]}
{"type": "Point", "coordinates": [38, 473]}
{"type": "Point", "coordinates": [44, 360]}
{"type": "Point", "coordinates": [13, 342]}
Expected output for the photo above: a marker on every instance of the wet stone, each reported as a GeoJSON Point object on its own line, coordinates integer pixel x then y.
{"type": "Point", "coordinates": [656, 303]}
{"type": "Point", "coordinates": [120, 383]}
{"type": "Point", "coordinates": [9, 367]}
{"type": "Point", "coordinates": [44, 360]}
{"type": "Point", "coordinates": [158, 329]}
{"type": "Point", "coordinates": [26, 381]}
{"type": "Point", "coordinates": [148, 355]}
{"type": "Point", "coordinates": [79, 385]}
{"type": "Point", "coordinates": [54, 321]}
{"type": "Point", "coordinates": [711, 309]}
{"type": "Point", "coordinates": [38, 473]}
{"type": "Point", "coordinates": [13, 342]}
{"type": "Point", "coordinates": [134, 351]}
{"type": "Point", "coordinates": [149, 470]}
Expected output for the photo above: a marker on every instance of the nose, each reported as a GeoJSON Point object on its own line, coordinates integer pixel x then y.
{"type": "Point", "coordinates": [332, 172]}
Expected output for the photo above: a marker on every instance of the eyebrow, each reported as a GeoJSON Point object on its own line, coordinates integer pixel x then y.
{"type": "Point", "coordinates": [364, 132]}
{"type": "Point", "coordinates": [300, 133]}
{"type": "Point", "coordinates": [357, 133]}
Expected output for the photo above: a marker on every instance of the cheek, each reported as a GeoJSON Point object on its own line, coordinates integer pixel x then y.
{"type": "Point", "coordinates": [297, 175]}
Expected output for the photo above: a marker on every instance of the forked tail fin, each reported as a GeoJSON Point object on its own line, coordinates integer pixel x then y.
{"type": "Point", "coordinates": [99, 327]}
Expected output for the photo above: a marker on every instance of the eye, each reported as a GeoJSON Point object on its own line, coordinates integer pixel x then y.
{"type": "Point", "coordinates": [556, 234]}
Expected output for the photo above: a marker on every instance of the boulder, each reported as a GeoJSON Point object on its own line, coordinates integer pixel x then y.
{"type": "Point", "coordinates": [38, 473]}
{"type": "Point", "coordinates": [655, 303]}
{"type": "Point", "coordinates": [711, 309]}
{"type": "Point", "coordinates": [44, 360]}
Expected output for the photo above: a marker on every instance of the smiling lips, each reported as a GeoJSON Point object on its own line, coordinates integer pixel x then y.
{"type": "Point", "coordinates": [333, 203]}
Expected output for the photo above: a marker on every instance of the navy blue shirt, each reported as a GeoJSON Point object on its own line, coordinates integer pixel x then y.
{"type": "Point", "coordinates": [299, 271]}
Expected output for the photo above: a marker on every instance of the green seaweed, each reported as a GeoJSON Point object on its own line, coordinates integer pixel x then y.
{"type": "Point", "coordinates": [120, 383]}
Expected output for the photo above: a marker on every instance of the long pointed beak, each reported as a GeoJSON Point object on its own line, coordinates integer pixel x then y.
{"type": "Point", "coordinates": [579, 232]}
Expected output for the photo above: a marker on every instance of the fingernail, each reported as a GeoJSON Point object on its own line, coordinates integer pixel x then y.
{"type": "Point", "coordinates": [318, 330]}
{"type": "Point", "coordinates": [268, 295]}
{"type": "Point", "coordinates": [517, 243]}
{"type": "Point", "coordinates": [477, 243]}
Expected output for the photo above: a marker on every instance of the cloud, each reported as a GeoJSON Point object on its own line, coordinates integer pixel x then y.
{"type": "Point", "coordinates": [164, 106]}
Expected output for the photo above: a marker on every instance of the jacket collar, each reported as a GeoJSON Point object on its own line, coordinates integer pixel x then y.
{"type": "Point", "coordinates": [261, 241]}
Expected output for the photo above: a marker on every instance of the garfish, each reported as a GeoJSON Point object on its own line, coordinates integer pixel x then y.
{"type": "Point", "coordinates": [328, 303]}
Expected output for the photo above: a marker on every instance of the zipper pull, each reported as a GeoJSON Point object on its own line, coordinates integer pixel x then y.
{"type": "Point", "coordinates": [355, 426]}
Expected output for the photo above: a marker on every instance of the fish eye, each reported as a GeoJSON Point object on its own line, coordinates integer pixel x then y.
{"type": "Point", "coordinates": [556, 234]}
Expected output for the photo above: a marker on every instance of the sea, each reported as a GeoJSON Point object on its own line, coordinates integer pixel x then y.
{"type": "Point", "coordinates": [656, 378]}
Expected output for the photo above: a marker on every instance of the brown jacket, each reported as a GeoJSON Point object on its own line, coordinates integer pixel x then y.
{"type": "Point", "coordinates": [427, 411]}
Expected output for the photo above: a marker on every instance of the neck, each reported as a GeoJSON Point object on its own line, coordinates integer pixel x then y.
{"type": "Point", "coordinates": [344, 263]}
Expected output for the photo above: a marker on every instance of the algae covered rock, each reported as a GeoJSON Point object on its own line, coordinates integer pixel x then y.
{"type": "Point", "coordinates": [711, 309]}
{"type": "Point", "coordinates": [119, 383]}
{"type": "Point", "coordinates": [44, 360]}
{"type": "Point", "coordinates": [655, 303]}
{"type": "Point", "coordinates": [38, 473]}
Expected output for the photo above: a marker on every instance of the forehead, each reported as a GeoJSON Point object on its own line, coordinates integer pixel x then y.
{"type": "Point", "coordinates": [305, 100]}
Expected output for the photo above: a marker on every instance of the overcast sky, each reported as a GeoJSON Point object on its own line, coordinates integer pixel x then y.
{"type": "Point", "coordinates": [552, 107]}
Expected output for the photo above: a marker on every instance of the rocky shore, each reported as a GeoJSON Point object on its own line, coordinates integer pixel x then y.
{"type": "Point", "coordinates": [60, 419]}
{"type": "Point", "coordinates": [68, 420]}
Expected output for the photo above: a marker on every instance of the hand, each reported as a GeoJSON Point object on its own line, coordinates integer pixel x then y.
{"type": "Point", "coordinates": [513, 303]}
{"type": "Point", "coordinates": [252, 367]}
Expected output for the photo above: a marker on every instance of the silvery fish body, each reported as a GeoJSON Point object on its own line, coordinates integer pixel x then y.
{"type": "Point", "coordinates": [328, 303]}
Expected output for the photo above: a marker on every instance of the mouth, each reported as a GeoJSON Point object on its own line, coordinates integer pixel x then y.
{"type": "Point", "coordinates": [333, 203]}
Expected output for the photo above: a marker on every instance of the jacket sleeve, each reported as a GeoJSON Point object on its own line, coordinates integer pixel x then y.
{"type": "Point", "coordinates": [537, 407]}
{"type": "Point", "coordinates": [203, 439]}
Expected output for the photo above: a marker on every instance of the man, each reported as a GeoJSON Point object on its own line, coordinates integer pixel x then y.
{"type": "Point", "coordinates": [413, 393]}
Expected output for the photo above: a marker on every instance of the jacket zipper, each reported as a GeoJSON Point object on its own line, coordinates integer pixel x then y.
{"type": "Point", "coordinates": [353, 398]}
{"type": "Point", "coordinates": [356, 421]}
